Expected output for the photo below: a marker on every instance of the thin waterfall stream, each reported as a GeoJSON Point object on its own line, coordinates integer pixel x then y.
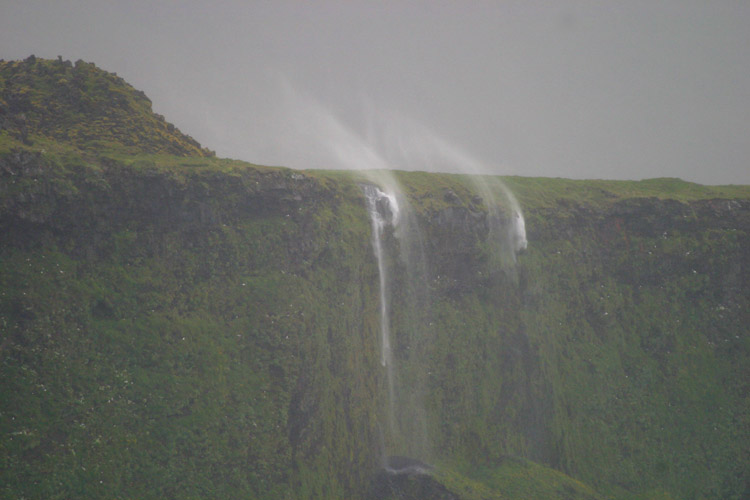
{"type": "Point", "coordinates": [383, 210]}
{"type": "Point", "coordinates": [405, 315]}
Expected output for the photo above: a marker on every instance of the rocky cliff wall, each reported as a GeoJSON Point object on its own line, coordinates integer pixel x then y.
{"type": "Point", "coordinates": [184, 333]}
{"type": "Point", "coordinates": [208, 328]}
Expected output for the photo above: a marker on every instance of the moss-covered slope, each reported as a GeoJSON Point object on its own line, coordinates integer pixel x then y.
{"type": "Point", "coordinates": [190, 327]}
{"type": "Point", "coordinates": [615, 350]}
{"type": "Point", "coordinates": [83, 106]}
{"type": "Point", "coordinates": [184, 332]}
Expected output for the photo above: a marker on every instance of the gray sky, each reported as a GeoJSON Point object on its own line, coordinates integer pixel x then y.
{"type": "Point", "coordinates": [582, 89]}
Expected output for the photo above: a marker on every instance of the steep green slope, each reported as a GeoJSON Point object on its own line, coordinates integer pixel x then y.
{"type": "Point", "coordinates": [193, 327]}
{"type": "Point", "coordinates": [615, 349]}
{"type": "Point", "coordinates": [640, 315]}
{"type": "Point", "coordinates": [83, 106]}
{"type": "Point", "coordinates": [185, 334]}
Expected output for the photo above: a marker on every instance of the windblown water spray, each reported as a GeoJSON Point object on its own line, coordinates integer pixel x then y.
{"type": "Point", "coordinates": [384, 211]}
{"type": "Point", "coordinates": [404, 311]}
{"type": "Point", "coordinates": [411, 146]}
{"type": "Point", "coordinates": [394, 142]}
{"type": "Point", "coordinates": [335, 145]}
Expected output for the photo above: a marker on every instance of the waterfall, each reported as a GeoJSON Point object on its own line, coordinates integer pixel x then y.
{"type": "Point", "coordinates": [405, 312]}
{"type": "Point", "coordinates": [390, 141]}
{"type": "Point", "coordinates": [399, 253]}
{"type": "Point", "coordinates": [383, 210]}
{"type": "Point", "coordinates": [507, 228]}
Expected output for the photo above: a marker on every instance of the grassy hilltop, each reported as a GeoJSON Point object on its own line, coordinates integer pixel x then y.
{"type": "Point", "coordinates": [175, 325]}
{"type": "Point", "coordinates": [83, 106]}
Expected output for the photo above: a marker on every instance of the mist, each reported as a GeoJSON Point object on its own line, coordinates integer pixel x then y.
{"type": "Point", "coordinates": [565, 89]}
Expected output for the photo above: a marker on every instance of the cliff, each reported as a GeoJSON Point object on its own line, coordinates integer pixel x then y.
{"type": "Point", "coordinates": [187, 326]}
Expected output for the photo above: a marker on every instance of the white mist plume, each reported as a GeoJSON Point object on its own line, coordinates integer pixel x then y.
{"type": "Point", "coordinates": [316, 130]}
{"type": "Point", "coordinates": [409, 145]}
{"type": "Point", "coordinates": [391, 141]}
{"type": "Point", "coordinates": [322, 140]}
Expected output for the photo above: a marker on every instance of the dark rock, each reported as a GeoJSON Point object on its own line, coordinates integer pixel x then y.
{"type": "Point", "coordinates": [450, 196]}
{"type": "Point", "coordinates": [406, 478]}
{"type": "Point", "coordinates": [405, 465]}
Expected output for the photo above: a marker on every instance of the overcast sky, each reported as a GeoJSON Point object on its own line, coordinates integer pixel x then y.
{"type": "Point", "coordinates": [615, 90]}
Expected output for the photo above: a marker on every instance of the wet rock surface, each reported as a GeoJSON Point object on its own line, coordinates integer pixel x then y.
{"type": "Point", "coordinates": [408, 479]}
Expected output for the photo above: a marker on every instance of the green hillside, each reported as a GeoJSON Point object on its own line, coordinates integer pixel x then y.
{"type": "Point", "coordinates": [83, 106]}
{"type": "Point", "coordinates": [174, 325]}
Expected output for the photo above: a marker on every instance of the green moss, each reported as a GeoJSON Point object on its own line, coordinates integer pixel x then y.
{"type": "Point", "coordinates": [84, 106]}
{"type": "Point", "coordinates": [540, 192]}
{"type": "Point", "coordinates": [186, 326]}
{"type": "Point", "coordinates": [513, 478]}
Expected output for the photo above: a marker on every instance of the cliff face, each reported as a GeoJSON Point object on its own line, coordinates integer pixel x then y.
{"type": "Point", "coordinates": [195, 327]}
{"type": "Point", "coordinates": [614, 349]}
{"type": "Point", "coordinates": [636, 316]}
{"type": "Point", "coordinates": [170, 334]}
{"type": "Point", "coordinates": [220, 323]}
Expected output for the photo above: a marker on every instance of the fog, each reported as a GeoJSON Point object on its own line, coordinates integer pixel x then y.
{"type": "Point", "coordinates": [616, 90]}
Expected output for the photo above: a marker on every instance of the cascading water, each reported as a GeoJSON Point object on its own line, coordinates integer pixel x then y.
{"type": "Point", "coordinates": [507, 229]}
{"type": "Point", "coordinates": [401, 263]}
{"type": "Point", "coordinates": [402, 141]}
{"type": "Point", "coordinates": [383, 210]}
{"type": "Point", "coordinates": [406, 307]}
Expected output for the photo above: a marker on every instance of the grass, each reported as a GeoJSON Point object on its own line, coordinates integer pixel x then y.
{"type": "Point", "coordinates": [84, 106]}
{"type": "Point", "coordinates": [513, 478]}
{"type": "Point", "coordinates": [177, 325]}
{"type": "Point", "coordinates": [542, 192]}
